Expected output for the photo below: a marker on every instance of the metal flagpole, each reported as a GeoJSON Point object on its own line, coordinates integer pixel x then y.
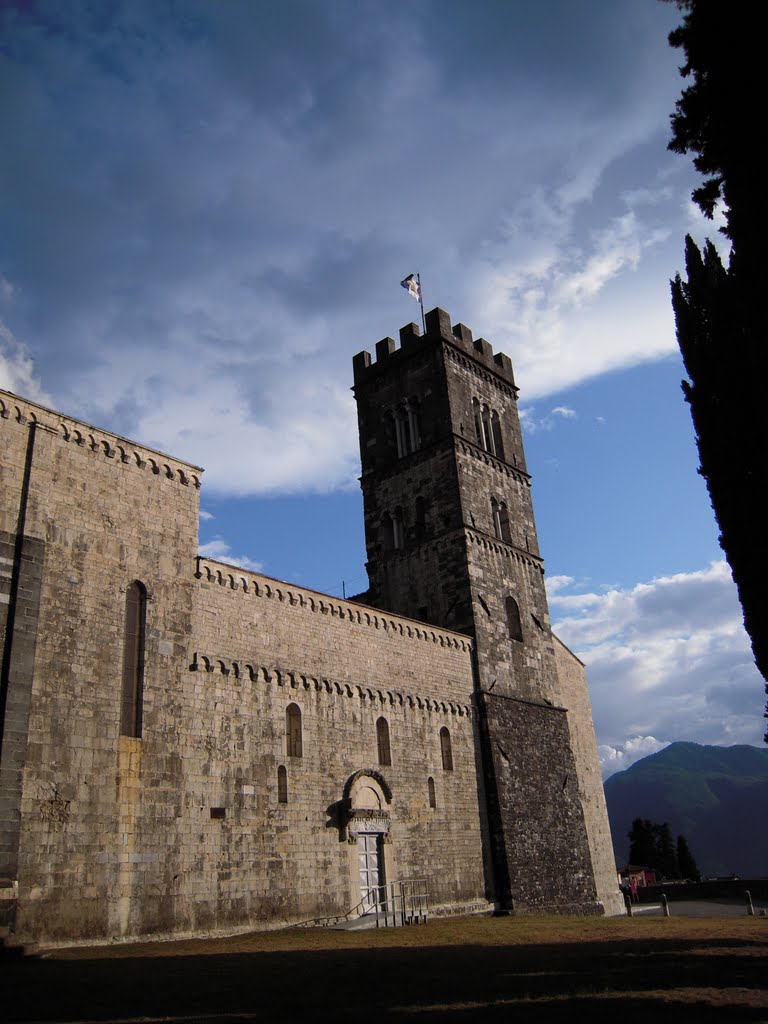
{"type": "Point", "coordinates": [421, 302]}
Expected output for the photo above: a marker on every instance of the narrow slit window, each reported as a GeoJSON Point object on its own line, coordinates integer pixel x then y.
{"type": "Point", "coordinates": [495, 513]}
{"type": "Point", "coordinates": [382, 741]}
{"type": "Point", "coordinates": [282, 784]}
{"type": "Point", "coordinates": [431, 792]}
{"type": "Point", "coordinates": [293, 730]}
{"type": "Point", "coordinates": [445, 750]}
{"type": "Point", "coordinates": [487, 432]}
{"type": "Point", "coordinates": [504, 531]}
{"type": "Point", "coordinates": [514, 624]}
{"type": "Point", "coordinates": [414, 432]}
{"type": "Point", "coordinates": [401, 432]}
{"type": "Point", "coordinates": [478, 422]}
{"type": "Point", "coordinates": [132, 700]}
{"type": "Point", "coordinates": [498, 445]}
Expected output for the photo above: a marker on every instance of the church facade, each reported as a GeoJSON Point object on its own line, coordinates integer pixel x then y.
{"type": "Point", "coordinates": [189, 747]}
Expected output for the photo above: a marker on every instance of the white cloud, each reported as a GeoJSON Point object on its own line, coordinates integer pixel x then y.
{"type": "Point", "coordinates": [532, 422]}
{"type": "Point", "coordinates": [666, 660]}
{"type": "Point", "coordinates": [618, 759]}
{"type": "Point", "coordinates": [205, 515]}
{"type": "Point", "coordinates": [17, 369]}
{"type": "Point", "coordinates": [242, 223]}
{"type": "Point", "coordinates": [219, 550]}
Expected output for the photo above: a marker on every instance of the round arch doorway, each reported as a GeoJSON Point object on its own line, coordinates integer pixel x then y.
{"type": "Point", "coordinates": [368, 822]}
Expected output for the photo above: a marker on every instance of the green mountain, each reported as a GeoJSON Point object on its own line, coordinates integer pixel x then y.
{"type": "Point", "coordinates": [717, 797]}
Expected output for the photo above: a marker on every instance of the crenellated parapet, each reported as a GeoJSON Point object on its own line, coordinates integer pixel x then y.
{"type": "Point", "coordinates": [22, 412]}
{"type": "Point", "coordinates": [478, 352]}
{"type": "Point", "coordinates": [260, 587]}
{"type": "Point", "coordinates": [290, 678]}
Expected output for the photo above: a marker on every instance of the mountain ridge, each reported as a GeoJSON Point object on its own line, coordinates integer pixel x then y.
{"type": "Point", "coordinates": [715, 796]}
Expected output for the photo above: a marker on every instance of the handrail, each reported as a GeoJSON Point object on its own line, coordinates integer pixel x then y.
{"type": "Point", "coordinates": [399, 902]}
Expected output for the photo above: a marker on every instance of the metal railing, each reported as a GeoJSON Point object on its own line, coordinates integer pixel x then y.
{"type": "Point", "coordinates": [393, 904]}
{"type": "Point", "coordinates": [397, 903]}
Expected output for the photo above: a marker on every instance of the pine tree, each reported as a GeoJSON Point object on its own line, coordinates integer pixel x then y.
{"type": "Point", "coordinates": [718, 311]}
{"type": "Point", "coordinates": [685, 861]}
{"type": "Point", "coordinates": [666, 853]}
{"type": "Point", "coordinates": [642, 843]}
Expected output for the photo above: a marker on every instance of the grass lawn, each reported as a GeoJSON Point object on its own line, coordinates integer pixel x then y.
{"type": "Point", "coordinates": [462, 969]}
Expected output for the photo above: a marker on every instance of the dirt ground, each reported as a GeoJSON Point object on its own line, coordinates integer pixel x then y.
{"type": "Point", "coordinates": [463, 970]}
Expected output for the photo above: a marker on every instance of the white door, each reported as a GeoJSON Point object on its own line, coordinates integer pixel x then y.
{"type": "Point", "coordinates": [371, 870]}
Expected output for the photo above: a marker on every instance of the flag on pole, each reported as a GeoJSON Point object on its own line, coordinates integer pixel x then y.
{"type": "Point", "coordinates": [412, 286]}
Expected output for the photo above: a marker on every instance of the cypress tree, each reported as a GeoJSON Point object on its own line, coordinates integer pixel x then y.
{"type": "Point", "coordinates": [685, 861]}
{"type": "Point", "coordinates": [666, 852]}
{"type": "Point", "coordinates": [718, 310]}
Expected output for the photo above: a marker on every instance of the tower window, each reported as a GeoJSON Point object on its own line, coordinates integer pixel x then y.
{"type": "Point", "coordinates": [431, 792]}
{"type": "Point", "coordinates": [504, 523]}
{"type": "Point", "coordinates": [414, 433]}
{"type": "Point", "coordinates": [398, 531]}
{"type": "Point", "coordinates": [382, 741]}
{"type": "Point", "coordinates": [132, 699]}
{"type": "Point", "coordinates": [445, 750]}
{"type": "Point", "coordinates": [500, 516]}
{"type": "Point", "coordinates": [487, 432]}
{"type": "Point", "coordinates": [407, 426]}
{"type": "Point", "coordinates": [488, 428]}
{"type": "Point", "coordinates": [401, 433]}
{"type": "Point", "coordinates": [282, 784]}
{"type": "Point", "coordinates": [514, 625]}
{"type": "Point", "coordinates": [496, 518]}
{"type": "Point", "coordinates": [498, 446]}
{"type": "Point", "coordinates": [293, 730]}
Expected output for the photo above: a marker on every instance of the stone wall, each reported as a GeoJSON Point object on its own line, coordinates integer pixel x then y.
{"type": "Point", "coordinates": [574, 695]}
{"type": "Point", "coordinates": [182, 830]}
{"type": "Point", "coordinates": [541, 850]}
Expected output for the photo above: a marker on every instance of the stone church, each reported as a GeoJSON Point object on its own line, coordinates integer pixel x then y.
{"type": "Point", "coordinates": [189, 747]}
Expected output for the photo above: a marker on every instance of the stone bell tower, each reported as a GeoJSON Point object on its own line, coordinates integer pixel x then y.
{"type": "Point", "coordinates": [451, 540]}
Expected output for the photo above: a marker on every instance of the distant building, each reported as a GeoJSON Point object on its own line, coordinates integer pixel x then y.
{"type": "Point", "coordinates": [188, 746]}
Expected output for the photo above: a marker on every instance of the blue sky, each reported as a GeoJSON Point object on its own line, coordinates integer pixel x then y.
{"type": "Point", "coordinates": [206, 209]}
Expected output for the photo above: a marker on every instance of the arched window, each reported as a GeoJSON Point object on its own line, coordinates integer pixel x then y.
{"type": "Point", "coordinates": [293, 730]}
{"type": "Point", "coordinates": [498, 446]}
{"type": "Point", "coordinates": [382, 741]}
{"type": "Point", "coordinates": [445, 750]}
{"type": "Point", "coordinates": [132, 699]}
{"type": "Point", "coordinates": [282, 784]}
{"type": "Point", "coordinates": [431, 791]}
{"type": "Point", "coordinates": [514, 625]}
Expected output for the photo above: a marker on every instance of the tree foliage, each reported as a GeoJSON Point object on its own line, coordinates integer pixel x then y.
{"type": "Point", "coordinates": [685, 862]}
{"type": "Point", "coordinates": [718, 310]}
{"type": "Point", "coordinates": [652, 846]}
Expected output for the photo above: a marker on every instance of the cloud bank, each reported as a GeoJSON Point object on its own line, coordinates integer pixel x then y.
{"type": "Point", "coordinates": [666, 660]}
{"type": "Point", "coordinates": [207, 212]}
